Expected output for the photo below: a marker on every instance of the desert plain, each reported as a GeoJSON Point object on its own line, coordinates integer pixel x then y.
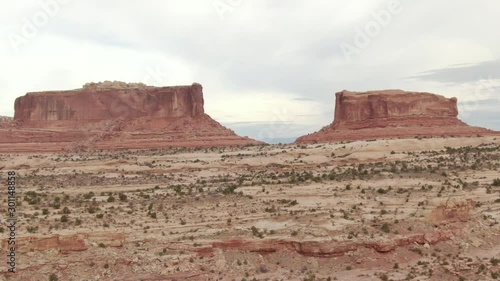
{"type": "Point", "coordinates": [386, 209]}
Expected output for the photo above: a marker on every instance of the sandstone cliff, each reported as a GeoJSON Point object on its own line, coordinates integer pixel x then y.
{"type": "Point", "coordinates": [114, 115]}
{"type": "Point", "coordinates": [96, 104]}
{"type": "Point", "coordinates": [392, 113]}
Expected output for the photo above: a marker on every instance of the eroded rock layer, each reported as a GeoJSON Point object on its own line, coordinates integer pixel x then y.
{"type": "Point", "coordinates": [96, 104]}
{"type": "Point", "coordinates": [393, 113]}
{"type": "Point", "coordinates": [114, 116]}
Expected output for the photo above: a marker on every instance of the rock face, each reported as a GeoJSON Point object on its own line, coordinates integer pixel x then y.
{"type": "Point", "coordinates": [5, 121]}
{"type": "Point", "coordinates": [392, 113]}
{"type": "Point", "coordinates": [114, 115]}
{"type": "Point", "coordinates": [328, 249]}
{"type": "Point", "coordinates": [97, 104]}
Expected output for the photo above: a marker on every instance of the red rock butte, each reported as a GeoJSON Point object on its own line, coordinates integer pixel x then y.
{"type": "Point", "coordinates": [393, 114]}
{"type": "Point", "coordinates": [114, 115]}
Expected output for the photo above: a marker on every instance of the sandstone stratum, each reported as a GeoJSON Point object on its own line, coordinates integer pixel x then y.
{"type": "Point", "coordinates": [114, 115]}
{"type": "Point", "coordinates": [393, 114]}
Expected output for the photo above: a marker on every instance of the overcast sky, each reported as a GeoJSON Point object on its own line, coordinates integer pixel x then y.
{"type": "Point", "coordinates": [269, 68]}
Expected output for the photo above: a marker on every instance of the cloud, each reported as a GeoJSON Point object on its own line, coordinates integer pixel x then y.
{"type": "Point", "coordinates": [460, 74]}
{"type": "Point", "coordinates": [488, 119]}
{"type": "Point", "coordinates": [261, 58]}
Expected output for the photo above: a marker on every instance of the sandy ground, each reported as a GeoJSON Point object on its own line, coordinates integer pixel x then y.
{"type": "Point", "coordinates": [403, 209]}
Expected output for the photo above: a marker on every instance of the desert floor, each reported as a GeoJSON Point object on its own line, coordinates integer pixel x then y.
{"type": "Point", "coordinates": [403, 209]}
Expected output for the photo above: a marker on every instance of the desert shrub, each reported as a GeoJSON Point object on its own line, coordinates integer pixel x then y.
{"type": "Point", "coordinates": [32, 229]}
{"type": "Point", "coordinates": [92, 209]}
{"type": "Point", "coordinates": [88, 195]}
{"type": "Point", "coordinates": [381, 191]}
{"type": "Point", "coordinates": [385, 228]}
{"type": "Point", "coordinates": [122, 197]}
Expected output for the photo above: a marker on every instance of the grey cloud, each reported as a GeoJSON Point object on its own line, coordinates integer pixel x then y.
{"type": "Point", "coordinates": [255, 123]}
{"type": "Point", "coordinates": [302, 99]}
{"type": "Point", "coordinates": [481, 118]}
{"type": "Point", "coordinates": [486, 102]}
{"type": "Point", "coordinates": [460, 74]}
{"type": "Point", "coordinates": [288, 47]}
{"type": "Point", "coordinates": [282, 132]}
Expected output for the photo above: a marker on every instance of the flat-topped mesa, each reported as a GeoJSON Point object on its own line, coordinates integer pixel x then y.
{"type": "Point", "coordinates": [103, 101]}
{"type": "Point", "coordinates": [392, 113]}
{"type": "Point", "coordinates": [355, 110]}
{"type": "Point", "coordinates": [114, 115]}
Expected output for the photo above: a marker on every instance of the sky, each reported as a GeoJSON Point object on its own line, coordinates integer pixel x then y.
{"type": "Point", "coordinates": [269, 68]}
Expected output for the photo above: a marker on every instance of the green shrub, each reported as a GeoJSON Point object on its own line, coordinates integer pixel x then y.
{"type": "Point", "coordinates": [122, 197]}
{"type": "Point", "coordinates": [385, 228]}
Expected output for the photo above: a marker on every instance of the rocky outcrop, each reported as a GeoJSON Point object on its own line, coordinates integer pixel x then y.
{"type": "Point", "coordinates": [114, 115]}
{"type": "Point", "coordinates": [328, 249]}
{"type": "Point", "coordinates": [63, 244]}
{"type": "Point", "coordinates": [453, 212]}
{"type": "Point", "coordinates": [362, 110]}
{"type": "Point", "coordinates": [392, 113]}
{"type": "Point", "coordinates": [93, 103]}
{"type": "Point", "coordinates": [310, 248]}
{"type": "Point", "coordinates": [5, 121]}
